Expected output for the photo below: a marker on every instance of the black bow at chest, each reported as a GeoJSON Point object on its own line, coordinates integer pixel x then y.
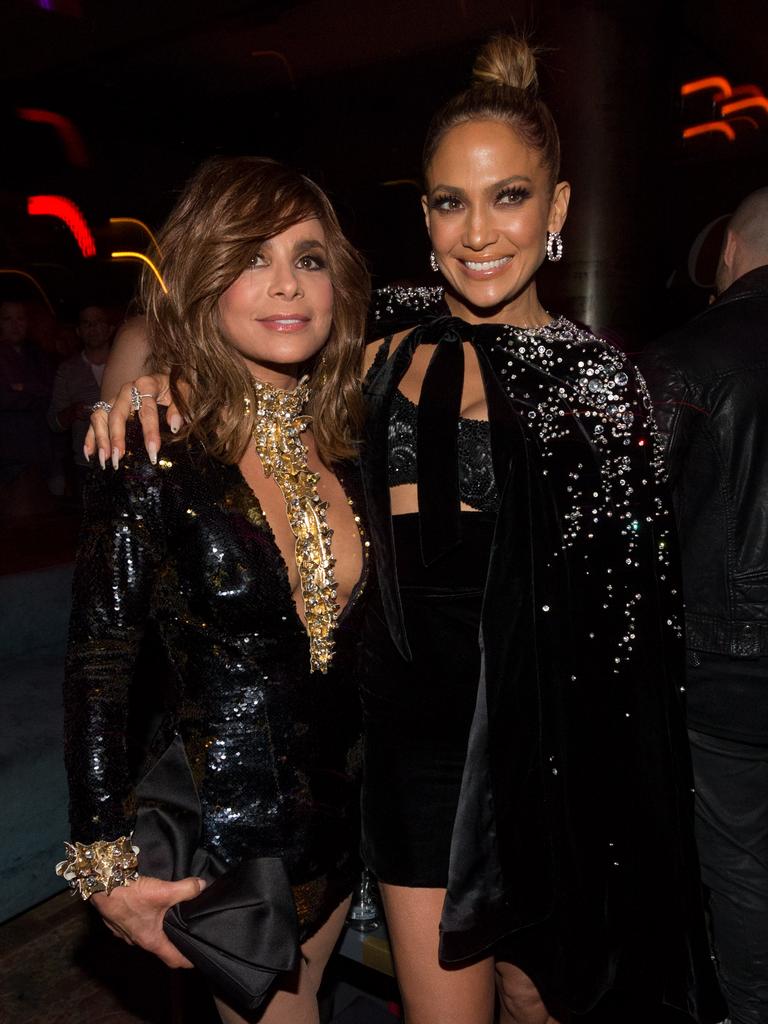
{"type": "Point", "coordinates": [439, 410]}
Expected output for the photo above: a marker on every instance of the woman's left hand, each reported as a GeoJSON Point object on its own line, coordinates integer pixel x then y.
{"type": "Point", "coordinates": [134, 913]}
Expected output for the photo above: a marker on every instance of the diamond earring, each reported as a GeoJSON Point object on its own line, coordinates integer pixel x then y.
{"type": "Point", "coordinates": [433, 261]}
{"type": "Point", "coordinates": [554, 246]}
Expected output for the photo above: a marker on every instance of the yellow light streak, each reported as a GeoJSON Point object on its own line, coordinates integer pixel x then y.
{"type": "Point", "coordinates": [35, 282]}
{"type": "Point", "coordinates": [140, 224]}
{"type": "Point", "coordinates": [144, 259]}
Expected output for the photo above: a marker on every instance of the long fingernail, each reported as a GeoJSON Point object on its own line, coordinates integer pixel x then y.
{"type": "Point", "coordinates": [175, 423]}
{"type": "Point", "coordinates": [115, 458]}
{"type": "Point", "coordinates": [87, 455]}
{"type": "Point", "coordinates": [152, 452]}
{"type": "Point", "coordinates": [102, 458]}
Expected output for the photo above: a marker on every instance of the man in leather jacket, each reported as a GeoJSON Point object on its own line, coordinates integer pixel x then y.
{"type": "Point", "coordinates": [709, 382]}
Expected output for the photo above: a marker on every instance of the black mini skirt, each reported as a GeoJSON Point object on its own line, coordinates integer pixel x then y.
{"type": "Point", "coordinates": [417, 714]}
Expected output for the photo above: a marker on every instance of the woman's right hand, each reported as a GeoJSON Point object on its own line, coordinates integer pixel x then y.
{"type": "Point", "coordinates": [135, 913]}
{"type": "Point", "coordinates": [106, 434]}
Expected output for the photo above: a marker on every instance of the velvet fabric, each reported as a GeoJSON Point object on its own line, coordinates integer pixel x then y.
{"type": "Point", "coordinates": [417, 713]}
{"type": "Point", "coordinates": [572, 852]}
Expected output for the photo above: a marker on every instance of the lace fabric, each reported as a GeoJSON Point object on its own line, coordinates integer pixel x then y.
{"type": "Point", "coordinates": [477, 484]}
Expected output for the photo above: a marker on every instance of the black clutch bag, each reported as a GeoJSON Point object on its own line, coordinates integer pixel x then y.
{"type": "Point", "coordinates": [242, 930]}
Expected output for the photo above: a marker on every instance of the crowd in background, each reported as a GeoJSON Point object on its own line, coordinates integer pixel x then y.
{"type": "Point", "coordinates": [50, 375]}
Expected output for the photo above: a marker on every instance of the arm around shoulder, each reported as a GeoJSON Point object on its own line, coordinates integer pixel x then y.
{"type": "Point", "coordinates": [129, 357]}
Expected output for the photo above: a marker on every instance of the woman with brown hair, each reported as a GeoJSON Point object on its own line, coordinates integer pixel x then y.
{"type": "Point", "coordinates": [526, 788]}
{"type": "Point", "coordinates": [239, 542]}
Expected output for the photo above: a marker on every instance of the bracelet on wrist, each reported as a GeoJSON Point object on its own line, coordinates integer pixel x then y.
{"type": "Point", "coordinates": [99, 867]}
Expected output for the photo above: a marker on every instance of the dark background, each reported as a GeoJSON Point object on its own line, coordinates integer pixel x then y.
{"type": "Point", "coordinates": [344, 90]}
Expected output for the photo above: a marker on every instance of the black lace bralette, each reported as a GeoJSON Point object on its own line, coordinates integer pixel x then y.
{"type": "Point", "coordinates": [477, 483]}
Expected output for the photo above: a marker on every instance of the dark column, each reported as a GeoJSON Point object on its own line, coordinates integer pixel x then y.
{"type": "Point", "coordinates": [611, 87]}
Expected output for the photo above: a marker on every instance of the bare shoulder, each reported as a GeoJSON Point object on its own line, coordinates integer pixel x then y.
{"type": "Point", "coordinates": [132, 331]}
{"type": "Point", "coordinates": [373, 348]}
{"type": "Point", "coordinates": [129, 356]}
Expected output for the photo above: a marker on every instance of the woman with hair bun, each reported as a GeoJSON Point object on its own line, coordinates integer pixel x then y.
{"type": "Point", "coordinates": [527, 802]}
{"type": "Point", "coordinates": [528, 793]}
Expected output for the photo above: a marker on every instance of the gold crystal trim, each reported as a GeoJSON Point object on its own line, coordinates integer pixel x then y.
{"type": "Point", "coordinates": [278, 425]}
{"type": "Point", "coordinates": [99, 867]}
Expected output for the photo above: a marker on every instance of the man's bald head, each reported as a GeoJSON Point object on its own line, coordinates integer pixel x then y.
{"type": "Point", "coordinates": [745, 245]}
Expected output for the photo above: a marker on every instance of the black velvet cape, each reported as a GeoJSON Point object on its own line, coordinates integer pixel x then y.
{"type": "Point", "coordinates": [573, 852]}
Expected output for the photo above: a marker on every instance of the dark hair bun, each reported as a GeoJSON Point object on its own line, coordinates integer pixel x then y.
{"type": "Point", "coordinates": [506, 61]}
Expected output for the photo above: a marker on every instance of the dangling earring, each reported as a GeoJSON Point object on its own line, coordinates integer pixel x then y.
{"type": "Point", "coordinates": [433, 261]}
{"type": "Point", "coordinates": [554, 246]}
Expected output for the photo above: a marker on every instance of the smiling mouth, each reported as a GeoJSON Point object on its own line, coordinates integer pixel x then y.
{"type": "Point", "coordinates": [485, 265]}
{"type": "Point", "coordinates": [284, 323]}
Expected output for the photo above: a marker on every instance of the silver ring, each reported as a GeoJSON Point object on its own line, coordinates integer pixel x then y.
{"type": "Point", "coordinates": [105, 406]}
{"type": "Point", "coordinates": [135, 399]}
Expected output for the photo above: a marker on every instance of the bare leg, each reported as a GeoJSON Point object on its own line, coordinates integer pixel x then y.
{"type": "Point", "coordinates": [294, 1001]}
{"type": "Point", "coordinates": [432, 994]}
{"type": "Point", "coordinates": [519, 999]}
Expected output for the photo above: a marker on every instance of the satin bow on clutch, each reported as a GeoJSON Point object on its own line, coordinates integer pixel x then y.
{"type": "Point", "coordinates": [242, 930]}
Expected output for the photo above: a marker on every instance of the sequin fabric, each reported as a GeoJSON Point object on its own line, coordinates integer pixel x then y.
{"type": "Point", "coordinates": [589, 412]}
{"type": "Point", "coordinates": [477, 485]}
{"type": "Point", "coordinates": [183, 548]}
{"type": "Point", "coordinates": [575, 388]}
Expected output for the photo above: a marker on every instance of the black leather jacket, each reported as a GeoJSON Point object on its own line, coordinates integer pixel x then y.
{"type": "Point", "coordinates": [709, 382]}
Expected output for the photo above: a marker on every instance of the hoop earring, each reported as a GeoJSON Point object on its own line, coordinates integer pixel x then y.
{"type": "Point", "coordinates": [554, 246]}
{"type": "Point", "coordinates": [433, 261]}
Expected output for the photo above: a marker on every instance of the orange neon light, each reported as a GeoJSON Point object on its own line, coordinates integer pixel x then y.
{"type": "Point", "coordinates": [746, 90]}
{"type": "Point", "coordinates": [140, 224]}
{"type": "Point", "coordinates": [712, 82]}
{"type": "Point", "coordinates": [35, 282]}
{"type": "Point", "coordinates": [747, 104]}
{"type": "Point", "coordinates": [66, 210]}
{"type": "Point", "coordinates": [64, 128]}
{"type": "Point", "coordinates": [710, 126]}
{"type": "Point", "coordinates": [144, 259]}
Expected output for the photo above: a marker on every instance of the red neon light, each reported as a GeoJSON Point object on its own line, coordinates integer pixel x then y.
{"type": "Point", "coordinates": [752, 101]}
{"type": "Point", "coordinates": [712, 82]}
{"type": "Point", "coordinates": [746, 90]}
{"type": "Point", "coordinates": [64, 209]}
{"type": "Point", "coordinates": [710, 126]}
{"type": "Point", "coordinates": [743, 119]}
{"type": "Point", "coordinates": [69, 135]}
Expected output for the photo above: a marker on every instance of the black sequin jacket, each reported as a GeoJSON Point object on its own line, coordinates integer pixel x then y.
{"type": "Point", "coordinates": [269, 747]}
{"type": "Point", "coordinates": [573, 846]}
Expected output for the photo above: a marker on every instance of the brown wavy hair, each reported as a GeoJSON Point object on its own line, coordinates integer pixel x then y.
{"type": "Point", "coordinates": [504, 88]}
{"type": "Point", "coordinates": [230, 207]}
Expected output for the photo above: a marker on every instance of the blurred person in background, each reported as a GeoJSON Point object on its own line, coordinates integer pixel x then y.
{"type": "Point", "coordinates": [709, 382]}
{"type": "Point", "coordinates": [78, 380]}
{"type": "Point", "coordinates": [25, 389]}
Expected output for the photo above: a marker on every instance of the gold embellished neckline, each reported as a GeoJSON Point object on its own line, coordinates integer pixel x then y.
{"type": "Point", "coordinates": [278, 424]}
